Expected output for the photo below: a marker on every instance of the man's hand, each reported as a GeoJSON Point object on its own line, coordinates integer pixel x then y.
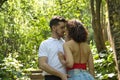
{"type": "Point", "coordinates": [63, 76]}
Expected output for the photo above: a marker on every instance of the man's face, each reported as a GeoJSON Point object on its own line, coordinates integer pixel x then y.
{"type": "Point", "coordinates": [60, 29]}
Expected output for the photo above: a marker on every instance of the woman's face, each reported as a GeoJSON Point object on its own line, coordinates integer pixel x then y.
{"type": "Point", "coordinates": [67, 37]}
{"type": "Point", "coordinates": [66, 32]}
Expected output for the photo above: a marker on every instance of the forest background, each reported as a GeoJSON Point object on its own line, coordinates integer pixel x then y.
{"type": "Point", "coordinates": [24, 24]}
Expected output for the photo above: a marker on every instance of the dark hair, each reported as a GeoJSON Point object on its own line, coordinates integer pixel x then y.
{"type": "Point", "coordinates": [55, 20]}
{"type": "Point", "coordinates": [76, 31]}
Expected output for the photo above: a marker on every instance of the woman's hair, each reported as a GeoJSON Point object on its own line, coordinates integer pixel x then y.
{"type": "Point", "coordinates": [76, 31]}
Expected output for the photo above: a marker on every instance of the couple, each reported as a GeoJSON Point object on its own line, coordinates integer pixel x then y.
{"type": "Point", "coordinates": [70, 60]}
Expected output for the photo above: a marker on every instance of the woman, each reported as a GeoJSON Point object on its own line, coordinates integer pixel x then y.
{"type": "Point", "coordinates": [78, 57]}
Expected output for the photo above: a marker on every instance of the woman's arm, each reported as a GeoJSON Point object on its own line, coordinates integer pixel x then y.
{"type": "Point", "coordinates": [62, 58]}
{"type": "Point", "coordinates": [68, 55]}
{"type": "Point", "coordinates": [91, 64]}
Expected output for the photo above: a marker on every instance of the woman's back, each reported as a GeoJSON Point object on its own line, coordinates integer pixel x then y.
{"type": "Point", "coordinates": [80, 51]}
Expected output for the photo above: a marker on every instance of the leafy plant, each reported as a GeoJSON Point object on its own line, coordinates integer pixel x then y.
{"type": "Point", "coordinates": [11, 68]}
{"type": "Point", "coordinates": [104, 63]}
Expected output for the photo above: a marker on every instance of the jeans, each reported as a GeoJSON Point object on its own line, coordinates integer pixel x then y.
{"type": "Point", "coordinates": [79, 74]}
{"type": "Point", "coordinates": [51, 77]}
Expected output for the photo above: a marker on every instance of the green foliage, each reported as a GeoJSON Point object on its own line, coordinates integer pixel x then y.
{"type": "Point", "coordinates": [104, 64]}
{"type": "Point", "coordinates": [25, 23]}
{"type": "Point", "coordinates": [22, 30]}
{"type": "Point", "coordinates": [11, 68]}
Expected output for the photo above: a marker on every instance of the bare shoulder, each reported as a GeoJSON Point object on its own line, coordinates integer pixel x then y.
{"type": "Point", "coordinates": [68, 43]}
{"type": "Point", "coordinates": [88, 47]}
{"type": "Point", "coordinates": [85, 44]}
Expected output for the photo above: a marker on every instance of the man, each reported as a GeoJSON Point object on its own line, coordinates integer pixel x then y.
{"type": "Point", "coordinates": [49, 49]}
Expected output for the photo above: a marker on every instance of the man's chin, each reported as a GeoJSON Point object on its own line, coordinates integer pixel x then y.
{"type": "Point", "coordinates": [62, 36]}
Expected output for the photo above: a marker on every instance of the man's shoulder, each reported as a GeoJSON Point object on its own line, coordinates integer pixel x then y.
{"type": "Point", "coordinates": [48, 40]}
{"type": "Point", "coordinates": [51, 40]}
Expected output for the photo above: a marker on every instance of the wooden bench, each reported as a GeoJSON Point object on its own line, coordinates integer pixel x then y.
{"type": "Point", "coordinates": [36, 75]}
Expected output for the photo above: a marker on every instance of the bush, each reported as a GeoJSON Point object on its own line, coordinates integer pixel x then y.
{"type": "Point", "coordinates": [11, 68]}
{"type": "Point", "coordinates": [104, 63]}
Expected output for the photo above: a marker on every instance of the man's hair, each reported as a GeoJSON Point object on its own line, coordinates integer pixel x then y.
{"type": "Point", "coordinates": [76, 31]}
{"type": "Point", "coordinates": [55, 20]}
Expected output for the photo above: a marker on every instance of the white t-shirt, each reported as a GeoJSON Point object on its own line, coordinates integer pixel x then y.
{"type": "Point", "coordinates": [50, 49]}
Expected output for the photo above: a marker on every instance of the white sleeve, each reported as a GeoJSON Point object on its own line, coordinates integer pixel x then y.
{"type": "Point", "coordinates": [42, 50]}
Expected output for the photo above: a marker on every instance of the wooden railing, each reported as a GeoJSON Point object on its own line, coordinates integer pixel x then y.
{"type": "Point", "coordinates": [36, 75]}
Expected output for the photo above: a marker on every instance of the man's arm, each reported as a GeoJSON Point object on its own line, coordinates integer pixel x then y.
{"type": "Point", "coordinates": [44, 66]}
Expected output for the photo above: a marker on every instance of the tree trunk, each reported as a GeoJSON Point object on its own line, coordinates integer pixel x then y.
{"type": "Point", "coordinates": [114, 22]}
{"type": "Point", "coordinates": [96, 25]}
{"type": "Point", "coordinates": [104, 23]}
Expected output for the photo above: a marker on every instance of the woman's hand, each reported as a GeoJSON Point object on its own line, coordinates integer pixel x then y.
{"type": "Point", "coordinates": [61, 58]}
